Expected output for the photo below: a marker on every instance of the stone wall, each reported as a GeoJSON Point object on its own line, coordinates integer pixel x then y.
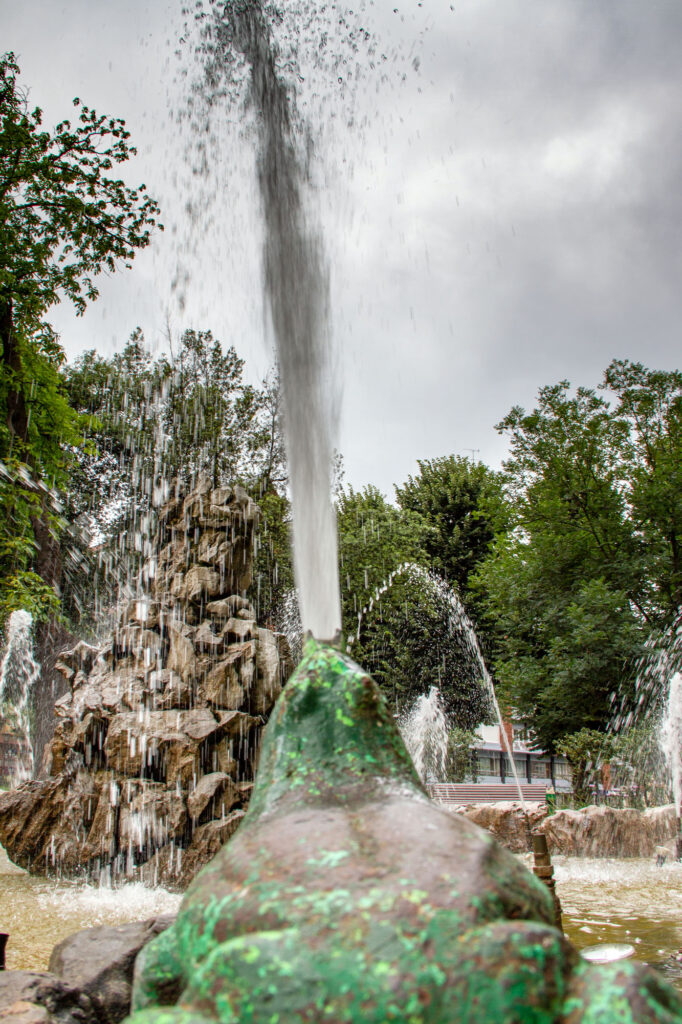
{"type": "Point", "coordinates": [156, 743]}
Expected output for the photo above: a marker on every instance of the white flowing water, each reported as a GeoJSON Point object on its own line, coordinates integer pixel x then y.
{"type": "Point", "coordinates": [19, 673]}
{"type": "Point", "coordinates": [296, 288]}
{"type": "Point", "coordinates": [37, 912]}
{"type": "Point", "coordinates": [424, 730]}
{"type": "Point", "coordinates": [658, 689]}
{"type": "Point", "coordinates": [671, 738]}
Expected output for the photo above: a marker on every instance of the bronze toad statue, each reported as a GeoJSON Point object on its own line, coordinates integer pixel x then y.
{"type": "Point", "coordinates": [348, 897]}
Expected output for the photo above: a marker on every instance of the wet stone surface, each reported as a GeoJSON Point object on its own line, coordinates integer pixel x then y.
{"type": "Point", "coordinates": [347, 896]}
{"type": "Point", "coordinates": [181, 691]}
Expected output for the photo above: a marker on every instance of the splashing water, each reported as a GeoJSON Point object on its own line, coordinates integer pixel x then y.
{"type": "Point", "coordinates": [671, 738]}
{"type": "Point", "coordinates": [658, 699]}
{"type": "Point", "coordinates": [460, 623]}
{"type": "Point", "coordinates": [19, 672]}
{"type": "Point", "coordinates": [296, 287]}
{"type": "Point", "coordinates": [424, 730]}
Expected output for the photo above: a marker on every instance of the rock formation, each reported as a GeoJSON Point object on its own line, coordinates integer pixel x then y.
{"type": "Point", "coordinates": [154, 751]}
{"type": "Point", "coordinates": [588, 832]}
{"type": "Point", "coordinates": [89, 980]}
{"type": "Point", "coordinates": [348, 896]}
{"type": "Point", "coordinates": [609, 831]}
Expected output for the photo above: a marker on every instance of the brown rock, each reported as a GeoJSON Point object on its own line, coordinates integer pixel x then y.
{"type": "Point", "coordinates": [268, 685]}
{"type": "Point", "coordinates": [206, 842]}
{"type": "Point", "coordinates": [214, 791]}
{"type": "Point", "coordinates": [80, 658]}
{"type": "Point", "coordinates": [230, 606]}
{"type": "Point", "coordinates": [206, 641]}
{"type": "Point", "coordinates": [22, 1012]}
{"type": "Point", "coordinates": [159, 705]}
{"type": "Point", "coordinates": [99, 962]}
{"type": "Point", "coordinates": [201, 583]}
{"type": "Point", "coordinates": [609, 831]}
{"type": "Point", "coordinates": [150, 817]}
{"type": "Point", "coordinates": [239, 630]}
{"type": "Point", "coordinates": [181, 657]}
{"type": "Point", "coordinates": [29, 997]}
{"type": "Point", "coordinates": [222, 759]}
{"type": "Point", "coordinates": [221, 686]}
{"type": "Point", "coordinates": [213, 548]}
{"type": "Point", "coordinates": [507, 822]}
{"type": "Point", "coordinates": [134, 742]}
{"type": "Point", "coordinates": [45, 823]}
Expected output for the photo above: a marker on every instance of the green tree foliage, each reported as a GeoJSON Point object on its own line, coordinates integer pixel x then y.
{"type": "Point", "coordinates": [409, 640]}
{"type": "Point", "coordinates": [181, 414]}
{"type": "Point", "coordinates": [375, 537]}
{"type": "Point", "coordinates": [627, 768]}
{"type": "Point", "coordinates": [589, 564]}
{"type": "Point", "coordinates": [64, 218]}
{"type": "Point", "coordinates": [404, 633]}
{"type": "Point", "coordinates": [586, 751]}
{"type": "Point", "coordinates": [649, 412]}
{"type": "Point", "coordinates": [461, 763]}
{"type": "Point", "coordinates": [449, 494]}
{"type": "Point", "coordinates": [639, 775]}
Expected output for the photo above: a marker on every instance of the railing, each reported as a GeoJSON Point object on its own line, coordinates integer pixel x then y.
{"type": "Point", "coordinates": [484, 793]}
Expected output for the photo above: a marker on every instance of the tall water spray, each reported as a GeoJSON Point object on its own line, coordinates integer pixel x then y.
{"type": "Point", "coordinates": [296, 286]}
{"type": "Point", "coordinates": [19, 672]}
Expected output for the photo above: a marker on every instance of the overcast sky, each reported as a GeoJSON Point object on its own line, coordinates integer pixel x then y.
{"type": "Point", "coordinates": [507, 217]}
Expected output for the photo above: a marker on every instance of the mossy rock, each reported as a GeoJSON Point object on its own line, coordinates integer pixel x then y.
{"type": "Point", "coordinates": [347, 896]}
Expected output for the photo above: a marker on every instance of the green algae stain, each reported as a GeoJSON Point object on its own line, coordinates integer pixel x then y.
{"type": "Point", "coordinates": [252, 944]}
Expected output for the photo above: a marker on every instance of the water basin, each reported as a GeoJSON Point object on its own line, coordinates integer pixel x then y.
{"type": "Point", "coordinates": [611, 902]}
{"type": "Point", "coordinates": [39, 912]}
{"type": "Point", "coordinates": [624, 902]}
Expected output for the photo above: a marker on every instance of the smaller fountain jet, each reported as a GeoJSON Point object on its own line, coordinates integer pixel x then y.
{"type": "Point", "coordinates": [19, 673]}
{"type": "Point", "coordinates": [671, 742]}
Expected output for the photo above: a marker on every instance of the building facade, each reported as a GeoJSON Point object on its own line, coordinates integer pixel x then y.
{"type": "Point", "coordinates": [491, 762]}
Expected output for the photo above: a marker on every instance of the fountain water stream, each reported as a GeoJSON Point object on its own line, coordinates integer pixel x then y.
{"type": "Point", "coordinates": [424, 730]}
{"type": "Point", "coordinates": [296, 286]}
{"type": "Point", "coordinates": [461, 623]}
{"type": "Point", "coordinates": [658, 690]}
{"type": "Point", "coordinates": [19, 673]}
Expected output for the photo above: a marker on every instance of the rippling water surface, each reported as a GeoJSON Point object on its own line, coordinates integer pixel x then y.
{"type": "Point", "coordinates": [624, 901]}
{"type": "Point", "coordinates": [39, 912]}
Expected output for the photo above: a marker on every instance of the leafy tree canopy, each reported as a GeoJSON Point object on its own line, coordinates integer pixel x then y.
{"type": "Point", "coordinates": [590, 564]}
{"type": "Point", "coordinates": [449, 494]}
{"type": "Point", "coordinates": [63, 216]}
{"type": "Point", "coordinates": [375, 537]}
{"type": "Point", "coordinates": [63, 219]}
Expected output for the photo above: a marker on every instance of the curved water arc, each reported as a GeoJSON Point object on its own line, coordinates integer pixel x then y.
{"type": "Point", "coordinates": [461, 622]}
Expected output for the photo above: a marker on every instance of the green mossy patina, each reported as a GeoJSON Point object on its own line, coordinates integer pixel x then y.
{"type": "Point", "coordinates": [347, 896]}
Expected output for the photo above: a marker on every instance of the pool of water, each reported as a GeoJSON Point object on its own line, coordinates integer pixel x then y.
{"type": "Point", "coordinates": [624, 901]}
{"type": "Point", "coordinates": [40, 912]}
{"type": "Point", "coordinates": [604, 901]}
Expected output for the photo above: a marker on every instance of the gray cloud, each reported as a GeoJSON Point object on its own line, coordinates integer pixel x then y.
{"type": "Point", "coordinates": [508, 216]}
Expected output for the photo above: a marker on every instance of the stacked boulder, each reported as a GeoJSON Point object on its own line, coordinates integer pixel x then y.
{"type": "Point", "coordinates": [156, 743]}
